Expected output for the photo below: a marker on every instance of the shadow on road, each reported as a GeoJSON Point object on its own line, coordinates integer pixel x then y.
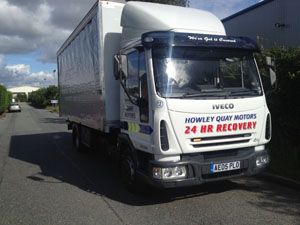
{"type": "Point", "coordinates": [53, 120]}
{"type": "Point", "coordinates": [272, 197]}
{"type": "Point", "coordinates": [92, 172]}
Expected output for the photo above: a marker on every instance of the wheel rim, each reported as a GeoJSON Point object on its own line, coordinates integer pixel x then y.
{"type": "Point", "coordinates": [77, 141]}
{"type": "Point", "coordinates": [128, 170]}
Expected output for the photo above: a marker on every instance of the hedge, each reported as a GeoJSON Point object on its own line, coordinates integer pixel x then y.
{"type": "Point", "coordinates": [5, 98]}
{"type": "Point", "coordinates": [284, 105]}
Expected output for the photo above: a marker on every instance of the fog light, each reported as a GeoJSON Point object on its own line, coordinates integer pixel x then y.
{"type": "Point", "coordinates": [169, 172]}
{"type": "Point", "coordinates": [156, 173]}
{"type": "Point", "coordinates": [259, 148]}
{"type": "Point", "coordinates": [262, 160]}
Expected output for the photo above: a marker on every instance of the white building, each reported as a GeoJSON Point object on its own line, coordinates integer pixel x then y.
{"type": "Point", "coordinates": [270, 22]}
{"type": "Point", "coordinates": [22, 89]}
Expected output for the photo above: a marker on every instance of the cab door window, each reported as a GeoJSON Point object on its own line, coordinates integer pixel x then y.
{"type": "Point", "coordinates": [132, 81]}
{"type": "Point", "coordinates": [136, 82]}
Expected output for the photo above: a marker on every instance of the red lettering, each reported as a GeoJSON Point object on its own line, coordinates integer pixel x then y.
{"type": "Point", "coordinates": [209, 128]}
{"type": "Point", "coordinates": [234, 126]}
{"type": "Point", "coordinates": [194, 129]}
{"type": "Point", "coordinates": [219, 128]}
{"type": "Point", "coordinates": [240, 126]}
{"type": "Point", "coordinates": [203, 129]}
{"type": "Point", "coordinates": [224, 127]}
{"type": "Point", "coordinates": [187, 129]}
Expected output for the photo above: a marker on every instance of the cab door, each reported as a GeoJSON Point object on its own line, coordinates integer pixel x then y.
{"type": "Point", "coordinates": [135, 101]}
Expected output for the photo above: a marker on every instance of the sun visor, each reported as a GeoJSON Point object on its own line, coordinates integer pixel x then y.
{"type": "Point", "coordinates": [197, 40]}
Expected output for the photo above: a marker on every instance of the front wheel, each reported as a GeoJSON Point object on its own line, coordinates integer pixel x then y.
{"type": "Point", "coordinates": [128, 171]}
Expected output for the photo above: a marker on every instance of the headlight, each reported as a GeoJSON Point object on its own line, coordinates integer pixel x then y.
{"type": "Point", "coordinates": [169, 172]}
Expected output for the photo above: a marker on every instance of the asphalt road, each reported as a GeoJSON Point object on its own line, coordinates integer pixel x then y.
{"type": "Point", "coordinates": [43, 180]}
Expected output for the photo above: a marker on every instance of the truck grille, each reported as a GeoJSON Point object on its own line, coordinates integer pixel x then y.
{"type": "Point", "coordinates": [224, 174]}
{"type": "Point", "coordinates": [220, 140]}
{"type": "Point", "coordinates": [231, 153]}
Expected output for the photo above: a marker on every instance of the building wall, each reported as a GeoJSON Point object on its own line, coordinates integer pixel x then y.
{"type": "Point", "coordinates": [23, 89]}
{"type": "Point", "coordinates": [275, 23]}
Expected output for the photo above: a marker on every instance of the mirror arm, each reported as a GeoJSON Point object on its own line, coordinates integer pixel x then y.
{"type": "Point", "coordinates": [116, 58]}
{"type": "Point", "coordinates": [128, 95]}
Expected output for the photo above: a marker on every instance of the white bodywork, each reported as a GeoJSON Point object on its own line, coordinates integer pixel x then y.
{"type": "Point", "coordinates": [248, 117]}
{"type": "Point", "coordinates": [142, 17]}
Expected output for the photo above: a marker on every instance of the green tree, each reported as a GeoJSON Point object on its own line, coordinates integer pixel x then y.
{"type": "Point", "coordinates": [22, 97]}
{"type": "Point", "coordinates": [169, 2]}
{"type": "Point", "coordinates": [38, 99]}
{"type": "Point", "coordinates": [51, 92]}
{"type": "Point", "coordinates": [42, 97]}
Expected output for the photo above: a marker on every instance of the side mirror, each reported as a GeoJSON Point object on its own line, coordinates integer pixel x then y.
{"type": "Point", "coordinates": [117, 67]}
{"type": "Point", "coordinates": [271, 73]}
{"type": "Point", "coordinates": [266, 67]}
{"type": "Point", "coordinates": [124, 69]}
{"type": "Point", "coordinates": [120, 66]}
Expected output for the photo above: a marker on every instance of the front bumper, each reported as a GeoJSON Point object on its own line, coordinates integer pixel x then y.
{"type": "Point", "coordinates": [198, 167]}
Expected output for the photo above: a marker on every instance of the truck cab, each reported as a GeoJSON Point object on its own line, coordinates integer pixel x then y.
{"type": "Point", "coordinates": [192, 104]}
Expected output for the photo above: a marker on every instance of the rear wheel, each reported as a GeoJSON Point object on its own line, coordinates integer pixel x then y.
{"type": "Point", "coordinates": [77, 139]}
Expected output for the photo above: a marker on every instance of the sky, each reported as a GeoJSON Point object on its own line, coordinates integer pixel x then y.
{"type": "Point", "coordinates": [31, 31]}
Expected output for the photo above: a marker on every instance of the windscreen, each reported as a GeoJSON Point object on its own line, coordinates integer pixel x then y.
{"type": "Point", "coordinates": [187, 72]}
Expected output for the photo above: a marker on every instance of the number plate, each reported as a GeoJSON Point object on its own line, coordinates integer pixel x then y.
{"type": "Point", "coordinates": [215, 168]}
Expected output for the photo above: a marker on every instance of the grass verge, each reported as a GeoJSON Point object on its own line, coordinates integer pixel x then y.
{"type": "Point", "coordinates": [54, 109]}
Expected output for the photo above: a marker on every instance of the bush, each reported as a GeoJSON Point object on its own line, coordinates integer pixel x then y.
{"type": "Point", "coordinates": [42, 97]}
{"type": "Point", "coordinates": [285, 109]}
{"type": "Point", "coordinates": [5, 98]}
{"type": "Point", "coordinates": [38, 99]}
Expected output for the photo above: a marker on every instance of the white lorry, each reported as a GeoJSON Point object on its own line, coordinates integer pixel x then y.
{"type": "Point", "coordinates": [182, 102]}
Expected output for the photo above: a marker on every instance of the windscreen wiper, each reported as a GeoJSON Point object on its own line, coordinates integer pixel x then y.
{"type": "Point", "coordinates": [206, 94]}
{"type": "Point", "coordinates": [246, 92]}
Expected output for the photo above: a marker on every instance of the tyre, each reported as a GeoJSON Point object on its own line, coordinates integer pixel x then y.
{"type": "Point", "coordinates": [77, 139]}
{"type": "Point", "coordinates": [128, 170]}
